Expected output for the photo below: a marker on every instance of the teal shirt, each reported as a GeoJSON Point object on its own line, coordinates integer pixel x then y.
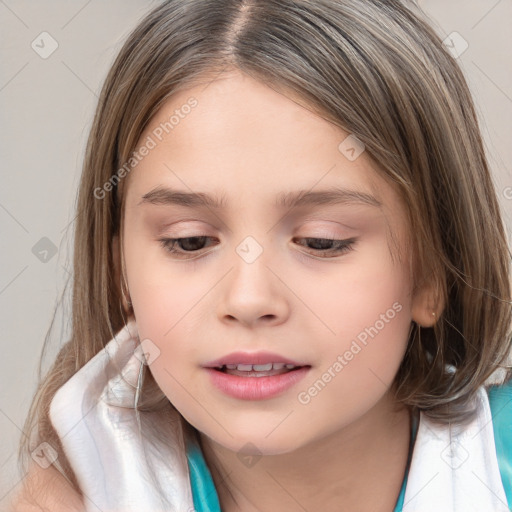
{"type": "Point", "coordinates": [203, 489]}
{"type": "Point", "coordinates": [500, 400]}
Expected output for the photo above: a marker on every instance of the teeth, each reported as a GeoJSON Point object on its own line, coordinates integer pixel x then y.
{"type": "Point", "coordinates": [258, 367]}
{"type": "Point", "coordinates": [262, 367]}
{"type": "Point", "coordinates": [244, 367]}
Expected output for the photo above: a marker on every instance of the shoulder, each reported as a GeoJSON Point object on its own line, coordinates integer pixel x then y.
{"type": "Point", "coordinates": [45, 490]}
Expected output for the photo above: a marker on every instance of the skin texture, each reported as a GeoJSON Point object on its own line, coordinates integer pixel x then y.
{"type": "Point", "coordinates": [244, 141]}
{"type": "Point", "coordinates": [45, 490]}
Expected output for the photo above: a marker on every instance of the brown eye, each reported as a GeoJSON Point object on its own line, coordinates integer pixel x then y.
{"type": "Point", "coordinates": [328, 245]}
{"type": "Point", "coordinates": [182, 246]}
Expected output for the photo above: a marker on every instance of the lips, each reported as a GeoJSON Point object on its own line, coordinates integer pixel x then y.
{"type": "Point", "coordinates": [255, 376]}
{"type": "Point", "coordinates": [256, 387]}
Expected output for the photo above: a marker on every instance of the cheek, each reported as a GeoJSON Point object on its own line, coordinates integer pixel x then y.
{"type": "Point", "coordinates": [353, 295]}
{"type": "Point", "coordinates": [162, 302]}
{"type": "Point", "coordinates": [162, 292]}
{"type": "Point", "coordinates": [164, 321]}
{"type": "Point", "coordinates": [367, 306]}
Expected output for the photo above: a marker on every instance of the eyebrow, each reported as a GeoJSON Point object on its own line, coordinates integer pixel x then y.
{"type": "Point", "coordinates": [299, 198]}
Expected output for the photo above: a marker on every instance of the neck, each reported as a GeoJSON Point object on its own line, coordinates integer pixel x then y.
{"type": "Point", "coordinates": [358, 468]}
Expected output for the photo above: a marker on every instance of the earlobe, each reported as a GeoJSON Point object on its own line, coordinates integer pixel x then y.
{"type": "Point", "coordinates": [427, 306]}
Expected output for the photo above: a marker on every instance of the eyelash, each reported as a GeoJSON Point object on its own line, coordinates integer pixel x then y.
{"type": "Point", "coordinates": [341, 246]}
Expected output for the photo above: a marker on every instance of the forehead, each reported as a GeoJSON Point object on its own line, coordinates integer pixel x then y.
{"type": "Point", "coordinates": [237, 138]}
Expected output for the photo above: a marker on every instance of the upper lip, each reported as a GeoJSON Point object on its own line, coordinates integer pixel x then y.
{"type": "Point", "coordinates": [251, 358]}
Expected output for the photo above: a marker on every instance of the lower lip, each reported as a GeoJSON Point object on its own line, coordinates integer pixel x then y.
{"type": "Point", "coordinates": [255, 388]}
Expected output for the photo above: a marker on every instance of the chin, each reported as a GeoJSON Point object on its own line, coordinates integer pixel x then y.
{"type": "Point", "coordinates": [256, 441]}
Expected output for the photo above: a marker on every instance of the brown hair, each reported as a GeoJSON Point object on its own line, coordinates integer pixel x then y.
{"type": "Point", "coordinates": [375, 69]}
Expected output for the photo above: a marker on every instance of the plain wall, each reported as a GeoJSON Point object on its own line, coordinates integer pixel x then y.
{"type": "Point", "coordinates": [47, 106]}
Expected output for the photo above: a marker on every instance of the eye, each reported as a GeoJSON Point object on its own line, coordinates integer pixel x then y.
{"type": "Point", "coordinates": [326, 246]}
{"type": "Point", "coordinates": [189, 244]}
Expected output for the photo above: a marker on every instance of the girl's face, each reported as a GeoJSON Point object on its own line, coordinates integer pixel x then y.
{"type": "Point", "coordinates": [261, 278]}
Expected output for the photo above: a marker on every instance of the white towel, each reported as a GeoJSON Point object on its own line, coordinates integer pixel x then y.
{"type": "Point", "coordinates": [117, 469]}
{"type": "Point", "coordinates": [455, 469]}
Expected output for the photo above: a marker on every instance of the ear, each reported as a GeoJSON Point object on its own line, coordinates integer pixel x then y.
{"type": "Point", "coordinates": [427, 304]}
{"type": "Point", "coordinates": [116, 256]}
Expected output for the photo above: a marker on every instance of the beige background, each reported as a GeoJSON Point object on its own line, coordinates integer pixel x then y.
{"type": "Point", "coordinates": [47, 106]}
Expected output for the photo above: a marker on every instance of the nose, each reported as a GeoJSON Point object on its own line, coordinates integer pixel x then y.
{"type": "Point", "coordinates": [253, 293]}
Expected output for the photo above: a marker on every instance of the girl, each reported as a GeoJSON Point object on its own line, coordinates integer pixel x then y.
{"type": "Point", "coordinates": [291, 277]}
